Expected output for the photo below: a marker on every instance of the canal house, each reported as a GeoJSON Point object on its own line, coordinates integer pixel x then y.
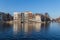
{"type": "Point", "coordinates": [37, 17]}
{"type": "Point", "coordinates": [17, 16]}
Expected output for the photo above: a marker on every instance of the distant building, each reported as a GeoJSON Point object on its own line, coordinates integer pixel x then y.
{"type": "Point", "coordinates": [30, 16]}
{"type": "Point", "coordinates": [2, 16]}
{"type": "Point", "coordinates": [42, 18]}
{"type": "Point", "coordinates": [26, 16]}
{"type": "Point", "coordinates": [57, 19]}
{"type": "Point", "coordinates": [22, 17]}
{"type": "Point", "coordinates": [17, 16]}
{"type": "Point", "coordinates": [5, 16]}
{"type": "Point", "coordinates": [46, 17]}
{"type": "Point", "coordinates": [37, 17]}
{"type": "Point", "coordinates": [9, 17]}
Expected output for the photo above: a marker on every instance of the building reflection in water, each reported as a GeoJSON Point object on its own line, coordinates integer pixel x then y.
{"type": "Point", "coordinates": [37, 27]}
{"type": "Point", "coordinates": [29, 27]}
{"type": "Point", "coordinates": [25, 25]}
{"type": "Point", "coordinates": [16, 27]}
{"type": "Point", "coordinates": [4, 27]}
{"type": "Point", "coordinates": [45, 26]}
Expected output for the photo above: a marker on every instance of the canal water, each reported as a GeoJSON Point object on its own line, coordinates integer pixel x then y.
{"type": "Point", "coordinates": [21, 31]}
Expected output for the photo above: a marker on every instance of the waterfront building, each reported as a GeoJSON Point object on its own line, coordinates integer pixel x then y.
{"type": "Point", "coordinates": [5, 17]}
{"type": "Point", "coordinates": [46, 17]}
{"type": "Point", "coordinates": [17, 16]}
{"type": "Point", "coordinates": [30, 16]}
{"type": "Point", "coordinates": [57, 19]}
{"type": "Point", "coordinates": [22, 17]}
{"type": "Point", "coordinates": [37, 17]}
{"type": "Point", "coordinates": [26, 16]}
{"type": "Point", "coordinates": [2, 16]}
{"type": "Point", "coordinates": [9, 17]}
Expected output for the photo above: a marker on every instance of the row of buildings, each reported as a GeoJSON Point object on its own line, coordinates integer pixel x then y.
{"type": "Point", "coordinates": [24, 17]}
{"type": "Point", "coordinates": [5, 17]}
{"type": "Point", "coordinates": [57, 19]}
{"type": "Point", "coordinates": [30, 17]}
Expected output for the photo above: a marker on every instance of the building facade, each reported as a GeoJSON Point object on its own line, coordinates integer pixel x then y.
{"type": "Point", "coordinates": [5, 16]}
{"type": "Point", "coordinates": [22, 17]}
{"type": "Point", "coordinates": [17, 16]}
{"type": "Point", "coordinates": [26, 16]}
{"type": "Point", "coordinates": [30, 16]}
{"type": "Point", "coordinates": [9, 17]}
{"type": "Point", "coordinates": [37, 17]}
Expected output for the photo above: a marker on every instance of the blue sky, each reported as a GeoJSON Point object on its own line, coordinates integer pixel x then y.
{"type": "Point", "coordinates": [41, 6]}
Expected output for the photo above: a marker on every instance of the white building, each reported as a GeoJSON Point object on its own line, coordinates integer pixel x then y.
{"type": "Point", "coordinates": [17, 16]}
{"type": "Point", "coordinates": [37, 17]}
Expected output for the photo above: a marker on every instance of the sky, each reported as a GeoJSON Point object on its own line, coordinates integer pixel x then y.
{"type": "Point", "coordinates": [35, 6]}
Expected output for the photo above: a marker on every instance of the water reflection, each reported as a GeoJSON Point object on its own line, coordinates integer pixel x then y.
{"type": "Point", "coordinates": [45, 26]}
{"type": "Point", "coordinates": [16, 27]}
{"type": "Point", "coordinates": [29, 30]}
{"type": "Point", "coordinates": [4, 27]}
{"type": "Point", "coordinates": [5, 30]}
{"type": "Point", "coordinates": [37, 27]}
{"type": "Point", "coordinates": [29, 27]}
{"type": "Point", "coordinates": [25, 27]}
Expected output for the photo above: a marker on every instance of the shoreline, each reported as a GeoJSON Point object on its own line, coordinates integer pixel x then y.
{"type": "Point", "coordinates": [11, 22]}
